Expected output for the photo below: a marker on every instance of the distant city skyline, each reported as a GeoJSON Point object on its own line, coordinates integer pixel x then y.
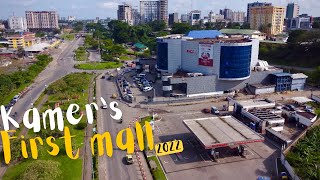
{"type": "Point", "coordinates": [84, 9]}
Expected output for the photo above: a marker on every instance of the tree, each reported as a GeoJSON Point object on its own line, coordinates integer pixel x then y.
{"type": "Point", "coordinates": [316, 25]}
{"type": "Point", "coordinates": [42, 169]}
{"type": "Point", "coordinates": [181, 28]}
{"type": "Point", "coordinates": [78, 26]}
{"type": "Point", "coordinates": [245, 25]}
{"type": "Point", "coordinates": [56, 31]}
{"type": "Point", "coordinates": [157, 25]}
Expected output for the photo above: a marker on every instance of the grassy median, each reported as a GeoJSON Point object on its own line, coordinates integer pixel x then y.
{"type": "Point", "coordinates": [98, 66]}
{"type": "Point", "coordinates": [158, 173]}
{"type": "Point", "coordinates": [81, 54]}
{"type": "Point", "coordinates": [71, 89]}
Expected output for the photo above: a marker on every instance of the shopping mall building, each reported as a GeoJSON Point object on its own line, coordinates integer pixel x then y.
{"type": "Point", "coordinates": [209, 63]}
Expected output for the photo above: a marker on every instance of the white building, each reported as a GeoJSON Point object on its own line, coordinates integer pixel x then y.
{"type": "Point", "coordinates": [184, 18]}
{"type": "Point", "coordinates": [71, 18]}
{"type": "Point", "coordinates": [125, 13]}
{"type": "Point", "coordinates": [215, 17]}
{"type": "Point", "coordinates": [18, 24]}
{"type": "Point", "coordinates": [238, 17]}
{"type": "Point", "coordinates": [194, 17]}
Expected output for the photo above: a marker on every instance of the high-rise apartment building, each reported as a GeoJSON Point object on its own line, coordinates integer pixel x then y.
{"type": "Point", "coordinates": [238, 17]}
{"type": "Point", "coordinates": [173, 18]}
{"type": "Point", "coordinates": [255, 4]}
{"type": "Point", "coordinates": [214, 17]}
{"type": "Point", "coordinates": [184, 18]}
{"type": "Point", "coordinates": [42, 20]}
{"type": "Point", "coordinates": [136, 18]}
{"type": "Point", "coordinates": [292, 10]}
{"type": "Point", "coordinates": [163, 11]}
{"type": "Point", "coordinates": [227, 13]}
{"type": "Point", "coordinates": [18, 24]}
{"type": "Point", "coordinates": [194, 17]}
{"type": "Point", "coordinates": [125, 13]}
{"type": "Point", "coordinates": [267, 18]}
{"type": "Point", "coordinates": [154, 10]}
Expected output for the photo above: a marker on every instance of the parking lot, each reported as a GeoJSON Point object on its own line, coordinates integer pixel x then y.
{"type": "Point", "coordinates": [195, 158]}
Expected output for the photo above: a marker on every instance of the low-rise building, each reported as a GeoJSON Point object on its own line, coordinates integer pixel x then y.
{"type": "Point", "coordinates": [21, 40]}
{"type": "Point", "coordinates": [254, 34]}
{"type": "Point", "coordinates": [302, 22]}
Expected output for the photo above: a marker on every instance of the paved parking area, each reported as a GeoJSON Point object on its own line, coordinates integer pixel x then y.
{"type": "Point", "coordinates": [195, 159]}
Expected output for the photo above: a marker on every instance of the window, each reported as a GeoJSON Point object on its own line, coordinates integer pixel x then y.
{"type": "Point", "coordinates": [235, 61]}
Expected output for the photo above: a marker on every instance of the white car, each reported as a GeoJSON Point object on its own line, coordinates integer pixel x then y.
{"type": "Point", "coordinates": [146, 89]}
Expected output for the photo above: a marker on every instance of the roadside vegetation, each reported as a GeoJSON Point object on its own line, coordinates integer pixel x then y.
{"type": "Point", "coordinates": [157, 173]}
{"type": "Point", "coordinates": [81, 54]}
{"type": "Point", "coordinates": [98, 66]}
{"type": "Point", "coordinates": [305, 156]}
{"type": "Point", "coordinates": [67, 36]}
{"type": "Point", "coordinates": [13, 83]}
{"type": "Point", "coordinates": [302, 49]}
{"type": "Point", "coordinates": [71, 89]}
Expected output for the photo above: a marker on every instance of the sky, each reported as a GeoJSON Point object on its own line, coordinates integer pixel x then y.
{"type": "Point", "coordinates": [89, 9]}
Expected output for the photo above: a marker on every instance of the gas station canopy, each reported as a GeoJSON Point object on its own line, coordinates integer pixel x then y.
{"type": "Point", "coordinates": [215, 132]}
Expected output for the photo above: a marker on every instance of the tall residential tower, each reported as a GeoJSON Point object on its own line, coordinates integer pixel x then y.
{"type": "Point", "coordinates": [125, 13]}
{"type": "Point", "coordinates": [255, 4]}
{"type": "Point", "coordinates": [269, 19]}
{"type": "Point", "coordinates": [42, 20]}
{"type": "Point", "coordinates": [292, 10]}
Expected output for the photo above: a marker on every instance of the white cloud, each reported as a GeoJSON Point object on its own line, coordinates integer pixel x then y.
{"type": "Point", "coordinates": [109, 5]}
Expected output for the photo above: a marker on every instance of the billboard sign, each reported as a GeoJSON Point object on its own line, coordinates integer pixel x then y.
{"type": "Point", "coordinates": [206, 54]}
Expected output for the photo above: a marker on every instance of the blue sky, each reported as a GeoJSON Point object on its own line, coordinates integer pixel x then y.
{"type": "Point", "coordinates": [89, 9]}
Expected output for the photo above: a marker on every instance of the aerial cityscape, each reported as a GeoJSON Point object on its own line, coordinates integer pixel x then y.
{"type": "Point", "coordinates": [159, 89]}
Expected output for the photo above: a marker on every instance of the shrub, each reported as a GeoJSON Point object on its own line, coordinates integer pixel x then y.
{"type": "Point", "coordinates": [80, 126]}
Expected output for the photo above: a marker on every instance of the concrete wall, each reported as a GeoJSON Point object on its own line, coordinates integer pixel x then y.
{"type": "Point", "coordinates": [207, 84]}
{"type": "Point", "coordinates": [174, 55]}
{"type": "Point", "coordinates": [257, 77]}
{"type": "Point", "coordinates": [197, 85]}
{"type": "Point", "coordinates": [190, 59]}
{"type": "Point", "coordinates": [298, 84]}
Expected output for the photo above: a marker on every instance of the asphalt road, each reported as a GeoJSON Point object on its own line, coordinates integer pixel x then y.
{"type": "Point", "coordinates": [61, 65]}
{"type": "Point", "coordinates": [114, 168]}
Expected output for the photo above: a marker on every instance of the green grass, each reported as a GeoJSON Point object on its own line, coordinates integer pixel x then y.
{"type": "Point", "coordinates": [125, 58]}
{"type": "Point", "coordinates": [81, 54]}
{"type": "Point", "coordinates": [145, 119]}
{"type": "Point", "coordinates": [70, 87]}
{"type": "Point", "coordinates": [13, 93]}
{"type": "Point", "coordinates": [304, 156]}
{"type": "Point", "coordinates": [158, 174]}
{"type": "Point", "coordinates": [98, 66]}
{"type": "Point", "coordinates": [67, 36]}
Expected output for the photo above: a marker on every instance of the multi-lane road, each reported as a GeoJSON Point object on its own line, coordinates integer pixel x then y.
{"type": "Point", "coordinates": [110, 168]}
{"type": "Point", "coordinates": [61, 65]}
{"type": "Point", "coordinates": [115, 167]}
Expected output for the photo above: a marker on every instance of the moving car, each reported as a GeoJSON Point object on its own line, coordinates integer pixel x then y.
{"type": "Point", "coordinates": [129, 159]}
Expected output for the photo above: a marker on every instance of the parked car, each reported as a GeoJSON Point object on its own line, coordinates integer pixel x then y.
{"type": "Point", "coordinates": [291, 107]}
{"type": "Point", "coordinates": [141, 75]}
{"type": "Point", "coordinates": [214, 110]}
{"type": "Point", "coordinates": [148, 88]}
